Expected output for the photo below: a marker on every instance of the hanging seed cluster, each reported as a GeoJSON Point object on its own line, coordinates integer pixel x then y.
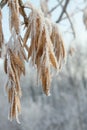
{"type": "Point", "coordinates": [45, 50]}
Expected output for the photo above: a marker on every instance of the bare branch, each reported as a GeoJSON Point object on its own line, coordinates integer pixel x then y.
{"type": "Point", "coordinates": [3, 3]}
{"type": "Point", "coordinates": [64, 8]}
{"type": "Point", "coordinates": [70, 23]}
{"type": "Point", "coordinates": [68, 17]}
{"type": "Point", "coordinates": [55, 7]}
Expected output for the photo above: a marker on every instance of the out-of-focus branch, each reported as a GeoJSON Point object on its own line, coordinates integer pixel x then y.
{"type": "Point", "coordinates": [72, 14]}
{"type": "Point", "coordinates": [3, 3]}
{"type": "Point", "coordinates": [85, 17]}
{"type": "Point", "coordinates": [55, 7]}
{"type": "Point", "coordinates": [68, 17]}
{"type": "Point", "coordinates": [73, 31]}
{"type": "Point", "coordinates": [64, 8]}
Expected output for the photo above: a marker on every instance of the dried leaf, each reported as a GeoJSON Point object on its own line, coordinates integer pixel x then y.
{"type": "Point", "coordinates": [5, 65]}
{"type": "Point", "coordinates": [17, 61]}
{"type": "Point", "coordinates": [53, 59]}
{"type": "Point", "coordinates": [26, 36]}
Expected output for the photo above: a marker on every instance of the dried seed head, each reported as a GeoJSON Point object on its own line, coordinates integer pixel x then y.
{"type": "Point", "coordinates": [46, 50]}
{"type": "Point", "coordinates": [14, 15]}
{"type": "Point", "coordinates": [58, 44]}
{"type": "Point", "coordinates": [14, 67]}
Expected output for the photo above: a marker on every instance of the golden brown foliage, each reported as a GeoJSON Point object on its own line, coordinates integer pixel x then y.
{"type": "Point", "coordinates": [14, 14]}
{"type": "Point", "coordinates": [45, 50]}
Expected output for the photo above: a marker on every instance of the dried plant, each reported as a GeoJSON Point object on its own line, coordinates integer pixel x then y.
{"type": "Point", "coordinates": [45, 50]}
{"type": "Point", "coordinates": [14, 67]}
{"type": "Point", "coordinates": [14, 15]}
{"type": "Point", "coordinates": [58, 44]}
{"type": "Point", "coordinates": [41, 50]}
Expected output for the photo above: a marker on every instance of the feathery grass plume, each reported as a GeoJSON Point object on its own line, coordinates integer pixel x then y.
{"type": "Point", "coordinates": [53, 59]}
{"type": "Point", "coordinates": [46, 50]}
{"type": "Point", "coordinates": [14, 61]}
{"type": "Point", "coordinates": [58, 45]}
{"type": "Point", "coordinates": [41, 48]}
{"type": "Point", "coordinates": [27, 33]}
{"type": "Point", "coordinates": [45, 40]}
{"type": "Point", "coordinates": [14, 15]}
{"type": "Point", "coordinates": [1, 33]}
{"type": "Point", "coordinates": [15, 106]}
{"type": "Point", "coordinates": [45, 74]}
{"type": "Point", "coordinates": [14, 67]}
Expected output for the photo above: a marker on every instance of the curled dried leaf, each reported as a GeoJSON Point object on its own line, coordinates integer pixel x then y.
{"type": "Point", "coordinates": [26, 36]}
{"type": "Point", "coordinates": [53, 59]}
{"type": "Point", "coordinates": [5, 65]}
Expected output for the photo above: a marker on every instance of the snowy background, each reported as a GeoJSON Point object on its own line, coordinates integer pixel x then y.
{"type": "Point", "coordinates": [66, 108]}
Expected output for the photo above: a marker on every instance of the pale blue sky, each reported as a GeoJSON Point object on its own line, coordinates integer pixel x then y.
{"type": "Point", "coordinates": [77, 19]}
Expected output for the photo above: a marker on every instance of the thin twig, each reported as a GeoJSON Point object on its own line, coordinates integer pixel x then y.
{"type": "Point", "coordinates": [3, 3]}
{"type": "Point", "coordinates": [49, 12]}
{"type": "Point", "coordinates": [68, 17]}
{"type": "Point", "coordinates": [71, 15]}
{"type": "Point", "coordinates": [70, 23]}
{"type": "Point", "coordinates": [64, 8]}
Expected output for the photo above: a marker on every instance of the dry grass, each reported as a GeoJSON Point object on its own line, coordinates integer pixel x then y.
{"type": "Point", "coordinates": [46, 50]}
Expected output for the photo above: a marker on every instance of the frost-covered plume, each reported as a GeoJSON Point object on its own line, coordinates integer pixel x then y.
{"type": "Point", "coordinates": [44, 46]}
{"type": "Point", "coordinates": [14, 20]}
{"type": "Point", "coordinates": [14, 67]}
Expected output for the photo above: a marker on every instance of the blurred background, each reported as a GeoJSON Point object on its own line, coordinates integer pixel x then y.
{"type": "Point", "coordinates": [66, 108]}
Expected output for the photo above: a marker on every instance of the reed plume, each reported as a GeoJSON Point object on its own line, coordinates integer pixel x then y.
{"type": "Point", "coordinates": [14, 15]}
{"type": "Point", "coordinates": [45, 50]}
{"type": "Point", "coordinates": [14, 67]}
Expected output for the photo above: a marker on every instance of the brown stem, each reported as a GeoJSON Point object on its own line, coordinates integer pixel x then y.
{"type": "Point", "coordinates": [64, 8]}
{"type": "Point", "coordinates": [3, 3]}
{"type": "Point", "coordinates": [55, 7]}
{"type": "Point", "coordinates": [68, 17]}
